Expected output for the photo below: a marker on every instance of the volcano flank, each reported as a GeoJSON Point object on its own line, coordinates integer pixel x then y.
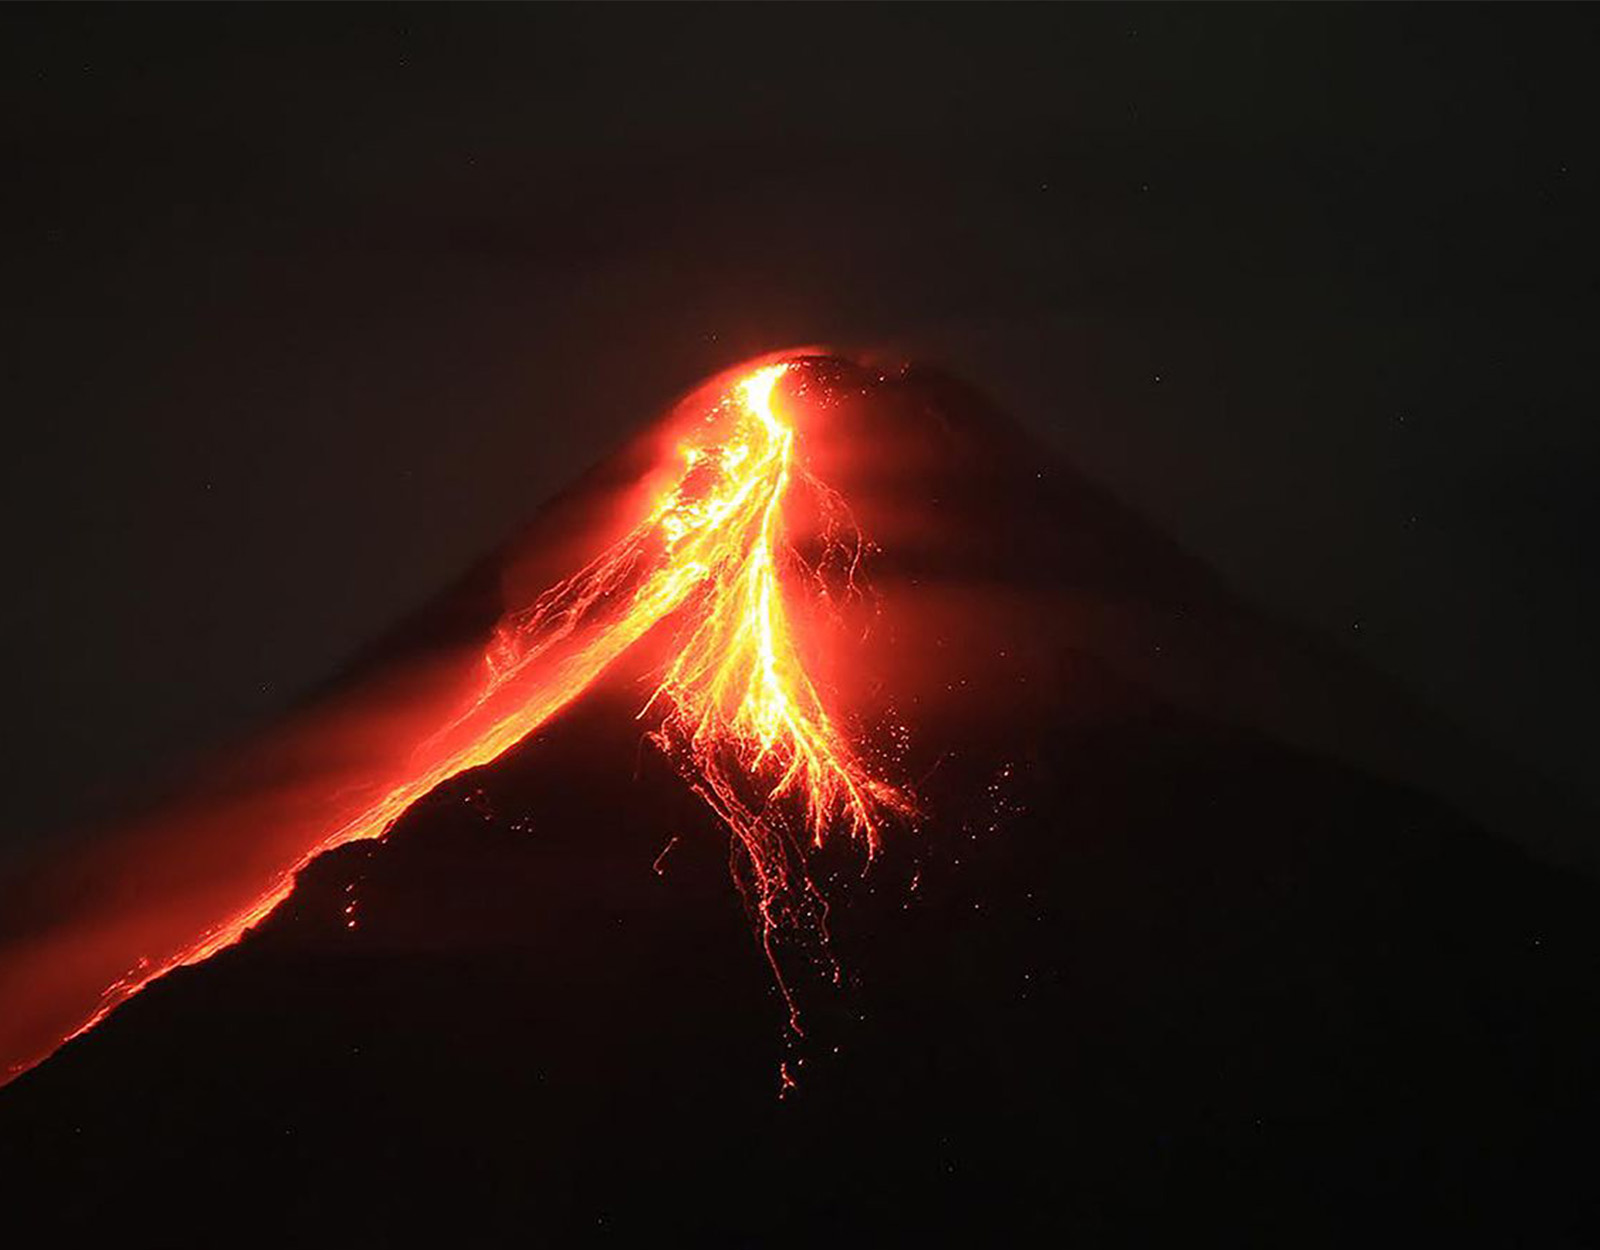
{"type": "Point", "coordinates": [1014, 879]}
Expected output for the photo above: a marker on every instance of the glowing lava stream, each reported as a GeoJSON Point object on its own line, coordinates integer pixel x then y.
{"type": "Point", "coordinates": [743, 718]}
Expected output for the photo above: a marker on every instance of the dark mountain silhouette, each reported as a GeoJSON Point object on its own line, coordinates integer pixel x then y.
{"type": "Point", "coordinates": [1142, 971]}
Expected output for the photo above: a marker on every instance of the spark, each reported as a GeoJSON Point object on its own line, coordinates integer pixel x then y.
{"type": "Point", "coordinates": [661, 858]}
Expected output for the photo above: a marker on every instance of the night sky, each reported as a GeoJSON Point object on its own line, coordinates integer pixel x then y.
{"type": "Point", "coordinates": [307, 308]}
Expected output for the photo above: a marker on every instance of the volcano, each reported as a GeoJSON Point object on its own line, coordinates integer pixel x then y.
{"type": "Point", "coordinates": [953, 858]}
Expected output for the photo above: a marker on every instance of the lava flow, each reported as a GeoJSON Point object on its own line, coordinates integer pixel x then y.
{"type": "Point", "coordinates": [737, 708]}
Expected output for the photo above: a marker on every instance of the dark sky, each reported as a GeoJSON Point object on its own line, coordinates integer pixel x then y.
{"type": "Point", "coordinates": [307, 307]}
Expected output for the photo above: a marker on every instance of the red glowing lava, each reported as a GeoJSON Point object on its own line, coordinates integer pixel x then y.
{"type": "Point", "coordinates": [711, 562]}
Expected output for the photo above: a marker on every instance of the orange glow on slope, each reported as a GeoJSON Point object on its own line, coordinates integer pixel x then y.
{"type": "Point", "coordinates": [742, 717]}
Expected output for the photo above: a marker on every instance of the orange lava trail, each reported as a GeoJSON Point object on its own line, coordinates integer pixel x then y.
{"type": "Point", "coordinates": [742, 716]}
